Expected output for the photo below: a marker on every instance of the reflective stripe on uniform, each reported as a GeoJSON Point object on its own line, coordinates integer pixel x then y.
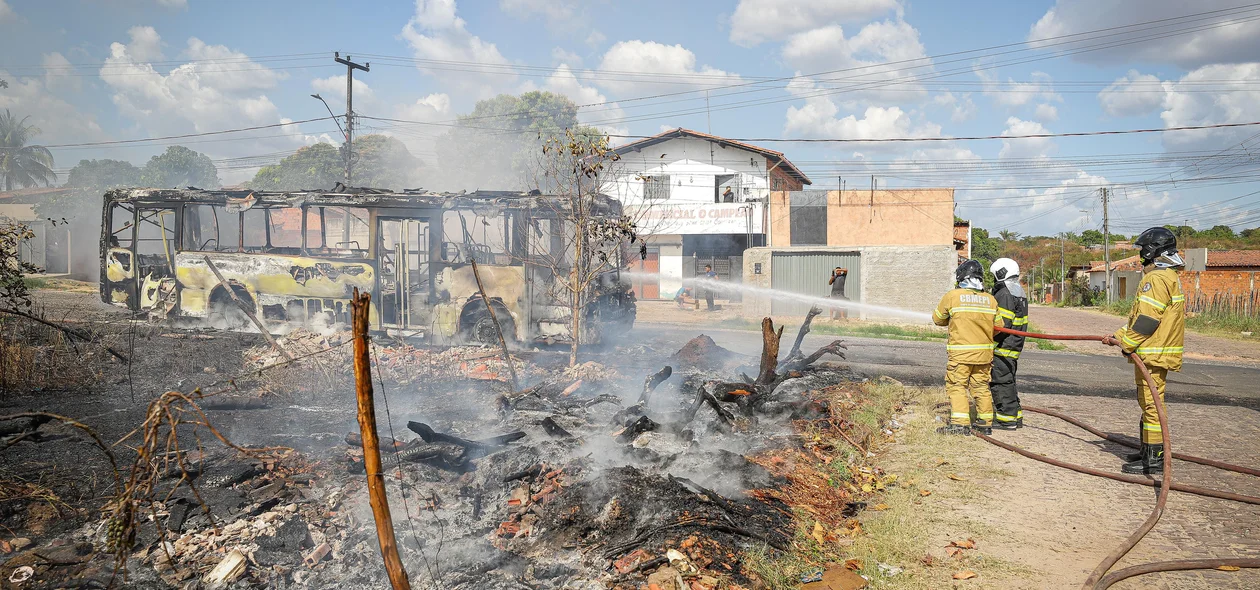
{"type": "Point", "coordinates": [1020, 321]}
{"type": "Point", "coordinates": [1178, 298]}
{"type": "Point", "coordinates": [972, 309]}
{"type": "Point", "coordinates": [939, 315]}
{"type": "Point", "coordinates": [1129, 341]}
{"type": "Point", "coordinates": [1006, 313]}
{"type": "Point", "coordinates": [1161, 349]}
{"type": "Point", "coordinates": [1005, 418]}
{"type": "Point", "coordinates": [1006, 353]}
{"type": "Point", "coordinates": [988, 416]}
{"type": "Point", "coordinates": [1152, 427]}
{"type": "Point", "coordinates": [959, 415]}
{"type": "Point", "coordinates": [1020, 415]}
{"type": "Point", "coordinates": [970, 346]}
{"type": "Point", "coordinates": [1153, 302]}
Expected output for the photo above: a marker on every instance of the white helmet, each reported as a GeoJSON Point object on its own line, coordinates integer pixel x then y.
{"type": "Point", "coordinates": [1004, 269]}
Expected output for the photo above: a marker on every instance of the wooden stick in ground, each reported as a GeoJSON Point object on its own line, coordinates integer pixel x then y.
{"type": "Point", "coordinates": [359, 307]}
{"type": "Point", "coordinates": [507, 358]}
{"type": "Point", "coordinates": [244, 308]}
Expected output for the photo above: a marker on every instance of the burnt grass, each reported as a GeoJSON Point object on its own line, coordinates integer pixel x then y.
{"type": "Point", "coordinates": [570, 507]}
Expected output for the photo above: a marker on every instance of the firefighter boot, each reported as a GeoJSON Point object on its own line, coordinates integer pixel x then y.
{"type": "Point", "coordinates": [956, 429]}
{"type": "Point", "coordinates": [982, 428]}
{"type": "Point", "coordinates": [1006, 424]}
{"type": "Point", "coordinates": [1152, 461]}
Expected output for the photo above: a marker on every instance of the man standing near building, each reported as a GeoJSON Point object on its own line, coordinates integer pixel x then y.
{"type": "Point", "coordinates": [1013, 309]}
{"type": "Point", "coordinates": [708, 290]}
{"type": "Point", "coordinates": [1155, 333]}
{"type": "Point", "coordinates": [971, 315]}
{"type": "Point", "coordinates": [838, 277]}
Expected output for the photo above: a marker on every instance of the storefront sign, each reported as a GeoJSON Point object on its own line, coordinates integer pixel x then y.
{"type": "Point", "coordinates": [698, 218]}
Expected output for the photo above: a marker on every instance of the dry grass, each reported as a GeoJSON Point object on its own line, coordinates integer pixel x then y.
{"type": "Point", "coordinates": [908, 521]}
{"type": "Point", "coordinates": [34, 357]}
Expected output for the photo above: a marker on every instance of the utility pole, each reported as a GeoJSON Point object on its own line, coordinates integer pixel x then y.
{"type": "Point", "coordinates": [1062, 268]}
{"type": "Point", "coordinates": [349, 146]}
{"type": "Point", "coordinates": [1106, 243]}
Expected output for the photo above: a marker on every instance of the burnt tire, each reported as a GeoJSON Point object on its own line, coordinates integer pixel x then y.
{"type": "Point", "coordinates": [478, 328]}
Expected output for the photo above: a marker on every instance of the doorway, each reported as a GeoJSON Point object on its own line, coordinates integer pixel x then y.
{"type": "Point", "coordinates": [403, 261]}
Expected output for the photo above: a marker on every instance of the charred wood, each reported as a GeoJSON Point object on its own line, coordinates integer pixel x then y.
{"type": "Point", "coordinates": [554, 429]}
{"type": "Point", "coordinates": [527, 473]}
{"type": "Point", "coordinates": [800, 336]}
{"type": "Point", "coordinates": [769, 351]}
{"type": "Point", "coordinates": [473, 448]}
{"type": "Point", "coordinates": [634, 429]}
{"type": "Point", "coordinates": [652, 382]}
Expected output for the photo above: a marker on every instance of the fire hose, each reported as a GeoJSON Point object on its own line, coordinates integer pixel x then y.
{"type": "Point", "coordinates": [1099, 579]}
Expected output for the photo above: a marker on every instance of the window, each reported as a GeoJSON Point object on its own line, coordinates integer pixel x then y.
{"type": "Point", "coordinates": [120, 232]}
{"type": "Point", "coordinates": [655, 187]}
{"type": "Point", "coordinates": [254, 229]}
{"type": "Point", "coordinates": [337, 231]}
{"type": "Point", "coordinates": [155, 240]}
{"type": "Point", "coordinates": [210, 228]}
{"type": "Point", "coordinates": [285, 229]}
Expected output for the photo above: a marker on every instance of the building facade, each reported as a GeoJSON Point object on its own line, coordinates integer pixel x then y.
{"type": "Point", "coordinates": [699, 199]}
{"type": "Point", "coordinates": [899, 247]}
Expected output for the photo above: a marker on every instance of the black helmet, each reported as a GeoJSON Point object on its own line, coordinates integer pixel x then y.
{"type": "Point", "coordinates": [1154, 243]}
{"type": "Point", "coordinates": [969, 269]}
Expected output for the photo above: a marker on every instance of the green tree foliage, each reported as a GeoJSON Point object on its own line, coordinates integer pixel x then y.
{"type": "Point", "coordinates": [1090, 237]}
{"type": "Point", "coordinates": [983, 247]}
{"type": "Point", "coordinates": [497, 146]}
{"type": "Point", "coordinates": [1008, 236]}
{"type": "Point", "coordinates": [1218, 232]}
{"type": "Point", "coordinates": [179, 166]}
{"type": "Point", "coordinates": [382, 162]}
{"type": "Point", "coordinates": [23, 165]}
{"type": "Point", "coordinates": [316, 166]}
{"type": "Point", "coordinates": [89, 179]}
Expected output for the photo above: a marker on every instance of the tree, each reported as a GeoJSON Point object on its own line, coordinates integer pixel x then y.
{"type": "Point", "coordinates": [1008, 236]}
{"type": "Point", "coordinates": [89, 179]}
{"type": "Point", "coordinates": [1091, 237]}
{"type": "Point", "coordinates": [381, 162]}
{"type": "Point", "coordinates": [179, 166]}
{"type": "Point", "coordinates": [23, 165]}
{"type": "Point", "coordinates": [1218, 232]}
{"type": "Point", "coordinates": [318, 166]}
{"type": "Point", "coordinates": [494, 146]}
{"type": "Point", "coordinates": [573, 167]}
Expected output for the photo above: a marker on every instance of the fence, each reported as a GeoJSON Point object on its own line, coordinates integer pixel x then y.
{"type": "Point", "coordinates": [1212, 292]}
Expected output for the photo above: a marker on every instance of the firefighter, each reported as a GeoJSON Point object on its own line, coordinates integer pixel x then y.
{"type": "Point", "coordinates": [1013, 309]}
{"type": "Point", "coordinates": [971, 315]}
{"type": "Point", "coordinates": [1155, 333]}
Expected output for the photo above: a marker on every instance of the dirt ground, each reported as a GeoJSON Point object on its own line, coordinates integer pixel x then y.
{"type": "Point", "coordinates": [1050, 527]}
{"type": "Point", "coordinates": [1062, 320]}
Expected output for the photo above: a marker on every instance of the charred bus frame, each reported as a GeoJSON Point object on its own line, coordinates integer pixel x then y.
{"type": "Point", "coordinates": [297, 256]}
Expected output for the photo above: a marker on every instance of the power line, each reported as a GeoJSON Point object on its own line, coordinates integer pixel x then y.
{"type": "Point", "coordinates": [187, 135]}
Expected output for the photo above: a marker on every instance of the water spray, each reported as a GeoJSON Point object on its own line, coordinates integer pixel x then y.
{"type": "Point", "coordinates": [781, 295]}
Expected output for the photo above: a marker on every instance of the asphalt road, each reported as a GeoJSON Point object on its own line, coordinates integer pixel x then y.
{"type": "Point", "coordinates": [1068, 373]}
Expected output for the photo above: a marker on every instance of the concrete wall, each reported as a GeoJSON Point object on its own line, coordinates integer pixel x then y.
{"type": "Point", "coordinates": [904, 277]}
{"type": "Point", "coordinates": [671, 260]}
{"type": "Point", "coordinates": [691, 164]}
{"type": "Point", "coordinates": [855, 218]}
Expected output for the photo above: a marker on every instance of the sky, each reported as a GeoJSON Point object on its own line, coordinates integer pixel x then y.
{"type": "Point", "coordinates": [102, 72]}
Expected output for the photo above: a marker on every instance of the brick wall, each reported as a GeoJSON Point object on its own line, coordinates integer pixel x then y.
{"type": "Point", "coordinates": [1220, 286]}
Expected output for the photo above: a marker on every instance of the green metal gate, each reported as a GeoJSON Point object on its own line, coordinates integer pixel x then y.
{"type": "Point", "coordinates": [807, 273]}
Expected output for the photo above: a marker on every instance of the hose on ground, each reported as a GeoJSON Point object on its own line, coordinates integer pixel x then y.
{"type": "Point", "coordinates": [1095, 579]}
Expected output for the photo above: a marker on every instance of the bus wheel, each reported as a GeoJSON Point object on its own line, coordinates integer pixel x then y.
{"type": "Point", "coordinates": [479, 329]}
{"type": "Point", "coordinates": [224, 313]}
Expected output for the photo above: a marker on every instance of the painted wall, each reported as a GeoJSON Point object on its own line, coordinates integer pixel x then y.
{"type": "Point", "coordinates": [904, 277]}
{"type": "Point", "coordinates": [917, 217]}
{"type": "Point", "coordinates": [671, 260]}
{"type": "Point", "coordinates": [692, 164]}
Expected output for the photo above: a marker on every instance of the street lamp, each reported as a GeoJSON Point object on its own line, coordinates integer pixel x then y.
{"type": "Point", "coordinates": [334, 117]}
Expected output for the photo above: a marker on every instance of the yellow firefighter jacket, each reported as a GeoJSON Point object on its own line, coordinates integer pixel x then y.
{"type": "Point", "coordinates": [970, 315]}
{"type": "Point", "coordinates": [1159, 298]}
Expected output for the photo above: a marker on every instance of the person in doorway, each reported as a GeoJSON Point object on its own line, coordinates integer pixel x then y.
{"type": "Point", "coordinates": [708, 290]}
{"type": "Point", "coordinates": [838, 277]}
{"type": "Point", "coordinates": [1154, 333]}
{"type": "Point", "coordinates": [1013, 309]}
{"type": "Point", "coordinates": [728, 195]}
{"type": "Point", "coordinates": [971, 315]}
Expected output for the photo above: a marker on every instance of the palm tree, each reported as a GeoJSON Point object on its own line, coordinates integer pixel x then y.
{"type": "Point", "coordinates": [22, 165]}
{"type": "Point", "coordinates": [1008, 236]}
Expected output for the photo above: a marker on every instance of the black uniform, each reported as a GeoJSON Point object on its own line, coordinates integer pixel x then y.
{"type": "Point", "coordinates": [1013, 308]}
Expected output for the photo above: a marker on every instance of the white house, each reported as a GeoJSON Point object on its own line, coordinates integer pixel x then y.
{"type": "Point", "coordinates": [700, 199]}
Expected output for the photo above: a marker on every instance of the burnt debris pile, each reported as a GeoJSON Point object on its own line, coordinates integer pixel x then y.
{"type": "Point", "coordinates": [588, 477]}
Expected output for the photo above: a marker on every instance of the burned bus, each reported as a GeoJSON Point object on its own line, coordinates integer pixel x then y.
{"type": "Point", "coordinates": [294, 258]}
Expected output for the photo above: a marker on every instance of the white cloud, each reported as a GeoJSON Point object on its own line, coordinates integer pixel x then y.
{"type": "Point", "coordinates": [1036, 147]}
{"type": "Point", "coordinates": [421, 139]}
{"type": "Point", "coordinates": [145, 45]}
{"type": "Point", "coordinates": [962, 109]}
{"type": "Point", "coordinates": [6, 13]}
{"type": "Point", "coordinates": [58, 120]}
{"type": "Point", "coordinates": [333, 90]}
{"type": "Point", "coordinates": [1186, 105]}
{"type": "Point", "coordinates": [173, 3]}
{"type": "Point", "coordinates": [560, 55]}
{"type": "Point", "coordinates": [817, 118]}
{"type": "Point", "coordinates": [860, 57]}
{"type": "Point", "coordinates": [59, 74]}
{"type": "Point", "coordinates": [1011, 94]}
{"type": "Point", "coordinates": [595, 38]}
{"type": "Point", "coordinates": [673, 63]}
{"type": "Point", "coordinates": [1046, 113]}
{"type": "Point", "coordinates": [435, 32]}
{"type": "Point", "coordinates": [557, 13]}
{"type": "Point", "coordinates": [604, 117]}
{"type": "Point", "coordinates": [756, 21]}
{"type": "Point", "coordinates": [1132, 95]}
{"type": "Point", "coordinates": [1214, 44]}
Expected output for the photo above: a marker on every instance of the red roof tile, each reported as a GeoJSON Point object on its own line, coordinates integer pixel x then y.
{"type": "Point", "coordinates": [1233, 258]}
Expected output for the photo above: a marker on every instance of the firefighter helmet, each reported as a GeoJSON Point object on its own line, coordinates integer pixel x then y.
{"type": "Point", "coordinates": [969, 269]}
{"type": "Point", "coordinates": [1156, 242]}
{"type": "Point", "coordinates": [1004, 268]}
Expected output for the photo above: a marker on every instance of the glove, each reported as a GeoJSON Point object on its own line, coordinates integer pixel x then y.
{"type": "Point", "coordinates": [1110, 341]}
